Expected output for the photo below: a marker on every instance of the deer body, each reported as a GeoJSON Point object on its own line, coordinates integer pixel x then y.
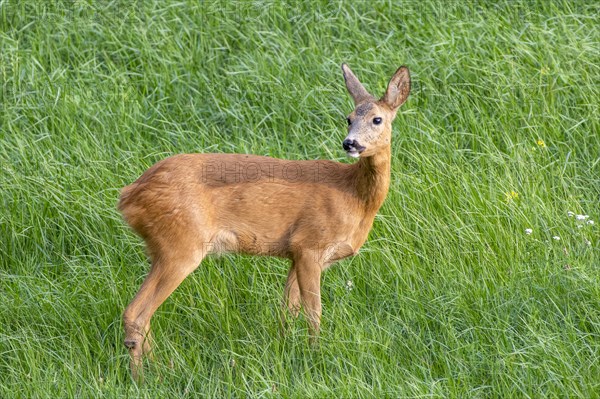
{"type": "Point", "coordinates": [312, 212]}
{"type": "Point", "coordinates": [264, 206]}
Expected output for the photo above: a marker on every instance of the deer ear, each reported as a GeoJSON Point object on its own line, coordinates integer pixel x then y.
{"type": "Point", "coordinates": [398, 88]}
{"type": "Point", "coordinates": [355, 88]}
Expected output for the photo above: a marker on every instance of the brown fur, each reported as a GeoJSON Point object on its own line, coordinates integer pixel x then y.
{"type": "Point", "coordinates": [312, 212]}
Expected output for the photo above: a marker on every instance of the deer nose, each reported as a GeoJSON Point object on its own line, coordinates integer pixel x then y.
{"type": "Point", "coordinates": [348, 144]}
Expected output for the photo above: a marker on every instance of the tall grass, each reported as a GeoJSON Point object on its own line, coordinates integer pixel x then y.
{"type": "Point", "coordinates": [449, 297]}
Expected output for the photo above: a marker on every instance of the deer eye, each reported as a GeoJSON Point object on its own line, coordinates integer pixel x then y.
{"type": "Point", "coordinates": [377, 121]}
{"type": "Point", "coordinates": [349, 121]}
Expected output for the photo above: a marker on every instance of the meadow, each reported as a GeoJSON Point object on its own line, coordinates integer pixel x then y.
{"type": "Point", "coordinates": [480, 278]}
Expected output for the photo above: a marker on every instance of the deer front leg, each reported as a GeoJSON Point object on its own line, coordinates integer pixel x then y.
{"type": "Point", "coordinates": [290, 306]}
{"type": "Point", "coordinates": [308, 273]}
{"type": "Point", "coordinates": [291, 294]}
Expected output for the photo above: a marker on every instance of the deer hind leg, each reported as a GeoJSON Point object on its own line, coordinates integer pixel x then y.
{"type": "Point", "coordinates": [167, 272]}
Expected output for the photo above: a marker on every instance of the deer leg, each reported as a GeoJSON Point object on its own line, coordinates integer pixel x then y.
{"type": "Point", "coordinates": [291, 299]}
{"type": "Point", "coordinates": [292, 293]}
{"type": "Point", "coordinates": [165, 276]}
{"type": "Point", "coordinates": [148, 342]}
{"type": "Point", "coordinates": [308, 272]}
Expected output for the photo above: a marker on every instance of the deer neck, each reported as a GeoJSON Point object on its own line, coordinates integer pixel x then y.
{"type": "Point", "coordinates": [373, 179]}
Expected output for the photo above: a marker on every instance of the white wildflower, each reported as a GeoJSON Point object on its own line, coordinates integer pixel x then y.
{"type": "Point", "coordinates": [588, 242]}
{"type": "Point", "coordinates": [570, 214]}
{"type": "Point", "coordinates": [528, 231]}
{"type": "Point", "coordinates": [556, 238]}
{"type": "Point", "coordinates": [349, 285]}
{"type": "Point", "coordinates": [581, 217]}
{"type": "Point", "coordinates": [590, 222]}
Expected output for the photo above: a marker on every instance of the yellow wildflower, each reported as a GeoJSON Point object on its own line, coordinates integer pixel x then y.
{"type": "Point", "coordinates": [511, 196]}
{"type": "Point", "coordinates": [541, 143]}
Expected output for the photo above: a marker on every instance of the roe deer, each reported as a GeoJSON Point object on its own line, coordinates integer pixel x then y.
{"type": "Point", "coordinates": [311, 212]}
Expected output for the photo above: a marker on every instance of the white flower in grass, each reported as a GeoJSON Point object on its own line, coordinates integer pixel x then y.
{"type": "Point", "coordinates": [590, 222]}
{"type": "Point", "coordinates": [570, 214]}
{"type": "Point", "coordinates": [581, 217]}
{"type": "Point", "coordinates": [349, 285]}
{"type": "Point", "coordinates": [588, 242]}
{"type": "Point", "coordinates": [528, 231]}
{"type": "Point", "coordinates": [556, 238]}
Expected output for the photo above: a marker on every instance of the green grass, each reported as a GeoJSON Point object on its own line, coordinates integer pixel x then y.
{"type": "Point", "coordinates": [450, 297]}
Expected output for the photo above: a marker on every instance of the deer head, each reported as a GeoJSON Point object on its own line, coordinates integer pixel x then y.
{"type": "Point", "coordinates": [370, 124]}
